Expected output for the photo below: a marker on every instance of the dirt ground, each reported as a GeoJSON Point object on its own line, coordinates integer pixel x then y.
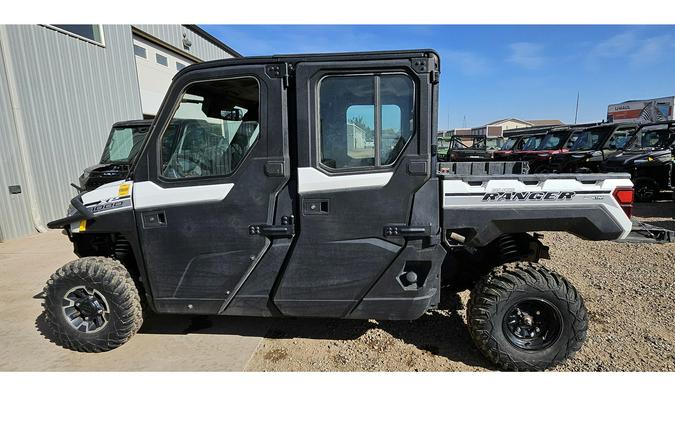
{"type": "Point", "coordinates": [629, 290]}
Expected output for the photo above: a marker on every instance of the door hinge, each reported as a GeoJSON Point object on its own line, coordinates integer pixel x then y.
{"type": "Point", "coordinates": [279, 70]}
{"type": "Point", "coordinates": [285, 229]}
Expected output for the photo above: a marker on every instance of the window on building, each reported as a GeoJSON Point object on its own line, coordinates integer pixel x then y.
{"type": "Point", "coordinates": [359, 128]}
{"type": "Point", "coordinates": [140, 51]}
{"type": "Point", "coordinates": [90, 32]}
{"type": "Point", "coordinates": [214, 127]}
{"type": "Point", "coordinates": [180, 66]}
{"type": "Point", "coordinates": [161, 59]}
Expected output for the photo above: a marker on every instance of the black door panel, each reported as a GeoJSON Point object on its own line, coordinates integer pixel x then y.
{"type": "Point", "coordinates": [204, 253]}
{"type": "Point", "coordinates": [340, 250]}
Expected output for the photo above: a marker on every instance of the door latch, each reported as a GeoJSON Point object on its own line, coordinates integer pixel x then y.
{"type": "Point", "coordinates": [285, 229]}
{"type": "Point", "coordinates": [153, 219]}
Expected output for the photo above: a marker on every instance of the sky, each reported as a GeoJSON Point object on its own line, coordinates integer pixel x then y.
{"type": "Point", "coordinates": [499, 71]}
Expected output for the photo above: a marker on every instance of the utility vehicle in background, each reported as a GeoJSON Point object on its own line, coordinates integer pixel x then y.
{"type": "Point", "coordinates": [592, 146]}
{"type": "Point", "coordinates": [315, 193]}
{"type": "Point", "coordinates": [648, 158]}
{"type": "Point", "coordinates": [480, 148]}
{"type": "Point", "coordinates": [124, 141]}
{"type": "Point", "coordinates": [519, 140]}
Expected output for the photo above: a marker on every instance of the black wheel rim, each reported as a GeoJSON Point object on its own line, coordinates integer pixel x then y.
{"type": "Point", "coordinates": [532, 324]}
{"type": "Point", "coordinates": [86, 310]}
{"type": "Point", "coordinates": [644, 192]}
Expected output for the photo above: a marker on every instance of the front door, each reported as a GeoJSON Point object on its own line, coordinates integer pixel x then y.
{"type": "Point", "coordinates": [216, 161]}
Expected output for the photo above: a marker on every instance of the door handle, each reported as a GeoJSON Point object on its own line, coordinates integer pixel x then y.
{"type": "Point", "coordinates": [406, 231]}
{"type": "Point", "coordinates": [153, 219]}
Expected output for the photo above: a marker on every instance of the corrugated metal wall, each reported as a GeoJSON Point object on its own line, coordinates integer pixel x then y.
{"type": "Point", "coordinates": [14, 209]}
{"type": "Point", "coordinates": [173, 34]}
{"type": "Point", "coordinates": [70, 93]}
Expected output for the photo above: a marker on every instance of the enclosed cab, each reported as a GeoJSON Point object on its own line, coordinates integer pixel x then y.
{"type": "Point", "coordinates": [648, 157]}
{"type": "Point", "coordinates": [591, 147]}
{"type": "Point", "coordinates": [520, 140]}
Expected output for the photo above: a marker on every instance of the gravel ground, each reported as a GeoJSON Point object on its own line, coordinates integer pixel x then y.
{"type": "Point", "coordinates": [629, 291]}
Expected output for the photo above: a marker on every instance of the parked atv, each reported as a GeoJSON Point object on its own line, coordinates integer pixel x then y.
{"type": "Point", "coordinates": [277, 205]}
{"type": "Point", "coordinates": [124, 142]}
{"type": "Point", "coordinates": [520, 142]}
{"type": "Point", "coordinates": [592, 146]}
{"type": "Point", "coordinates": [649, 159]}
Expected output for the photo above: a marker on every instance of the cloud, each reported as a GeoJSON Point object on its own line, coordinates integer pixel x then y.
{"type": "Point", "coordinates": [466, 62]}
{"type": "Point", "coordinates": [526, 55]}
{"type": "Point", "coordinates": [633, 49]}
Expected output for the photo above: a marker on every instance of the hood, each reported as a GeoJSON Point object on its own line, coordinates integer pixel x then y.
{"type": "Point", "coordinates": [111, 167]}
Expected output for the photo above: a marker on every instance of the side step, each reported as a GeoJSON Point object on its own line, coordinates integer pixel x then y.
{"type": "Point", "coordinates": [646, 233]}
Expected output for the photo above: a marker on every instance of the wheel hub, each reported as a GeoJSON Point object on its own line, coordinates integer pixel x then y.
{"type": "Point", "coordinates": [532, 324]}
{"type": "Point", "coordinates": [86, 310]}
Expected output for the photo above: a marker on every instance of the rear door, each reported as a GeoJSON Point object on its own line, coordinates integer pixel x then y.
{"type": "Point", "coordinates": [217, 160]}
{"type": "Point", "coordinates": [363, 154]}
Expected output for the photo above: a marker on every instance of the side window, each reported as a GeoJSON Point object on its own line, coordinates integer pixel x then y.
{"type": "Point", "coordinates": [213, 128]}
{"type": "Point", "coordinates": [364, 121]}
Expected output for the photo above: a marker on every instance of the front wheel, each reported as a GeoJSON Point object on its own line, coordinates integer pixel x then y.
{"type": "Point", "coordinates": [92, 305]}
{"type": "Point", "coordinates": [524, 317]}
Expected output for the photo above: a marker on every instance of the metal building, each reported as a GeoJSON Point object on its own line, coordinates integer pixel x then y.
{"type": "Point", "coordinates": [61, 89]}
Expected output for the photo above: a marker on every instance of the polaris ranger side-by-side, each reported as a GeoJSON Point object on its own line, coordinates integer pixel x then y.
{"type": "Point", "coordinates": [649, 160]}
{"type": "Point", "coordinates": [318, 196]}
{"type": "Point", "coordinates": [593, 146]}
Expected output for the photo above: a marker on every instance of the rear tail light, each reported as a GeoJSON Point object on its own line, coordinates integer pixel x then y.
{"type": "Point", "coordinates": [624, 196]}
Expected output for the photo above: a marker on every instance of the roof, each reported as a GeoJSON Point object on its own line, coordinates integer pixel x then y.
{"type": "Point", "coordinates": [317, 57]}
{"type": "Point", "coordinates": [507, 119]}
{"type": "Point", "coordinates": [545, 122]}
{"type": "Point", "coordinates": [212, 39]}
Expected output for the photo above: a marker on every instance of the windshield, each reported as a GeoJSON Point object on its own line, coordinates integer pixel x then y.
{"type": "Point", "coordinates": [532, 142]}
{"type": "Point", "coordinates": [552, 141]}
{"type": "Point", "coordinates": [508, 144]}
{"type": "Point", "coordinates": [589, 139]}
{"type": "Point", "coordinates": [652, 138]}
{"type": "Point", "coordinates": [123, 144]}
{"type": "Point", "coordinates": [621, 138]}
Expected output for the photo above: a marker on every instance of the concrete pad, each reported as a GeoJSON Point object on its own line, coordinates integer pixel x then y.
{"type": "Point", "coordinates": [165, 343]}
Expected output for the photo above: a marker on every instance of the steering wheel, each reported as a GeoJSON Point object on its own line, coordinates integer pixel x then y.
{"type": "Point", "coordinates": [185, 166]}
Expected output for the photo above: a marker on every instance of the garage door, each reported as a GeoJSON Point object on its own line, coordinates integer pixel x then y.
{"type": "Point", "coordinates": [156, 66]}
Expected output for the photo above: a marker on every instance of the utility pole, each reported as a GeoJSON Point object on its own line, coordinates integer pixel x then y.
{"type": "Point", "coordinates": [464, 122]}
{"type": "Point", "coordinates": [576, 112]}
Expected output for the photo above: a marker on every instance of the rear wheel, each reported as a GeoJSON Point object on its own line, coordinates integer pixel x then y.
{"type": "Point", "coordinates": [92, 305]}
{"type": "Point", "coordinates": [646, 190]}
{"type": "Point", "coordinates": [524, 317]}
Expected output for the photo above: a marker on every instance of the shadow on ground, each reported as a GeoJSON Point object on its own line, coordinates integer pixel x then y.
{"type": "Point", "coordinates": [441, 332]}
{"type": "Point", "coordinates": [661, 208]}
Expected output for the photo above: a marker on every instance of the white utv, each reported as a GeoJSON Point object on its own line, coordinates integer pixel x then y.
{"type": "Point", "coordinates": [311, 190]}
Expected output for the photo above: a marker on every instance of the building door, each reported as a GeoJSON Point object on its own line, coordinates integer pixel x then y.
{"type": "Point", "coordinates": [155, 66]}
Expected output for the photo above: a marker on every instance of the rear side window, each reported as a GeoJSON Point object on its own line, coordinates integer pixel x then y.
{"type": "Point", "coordinates": [365, 121]}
